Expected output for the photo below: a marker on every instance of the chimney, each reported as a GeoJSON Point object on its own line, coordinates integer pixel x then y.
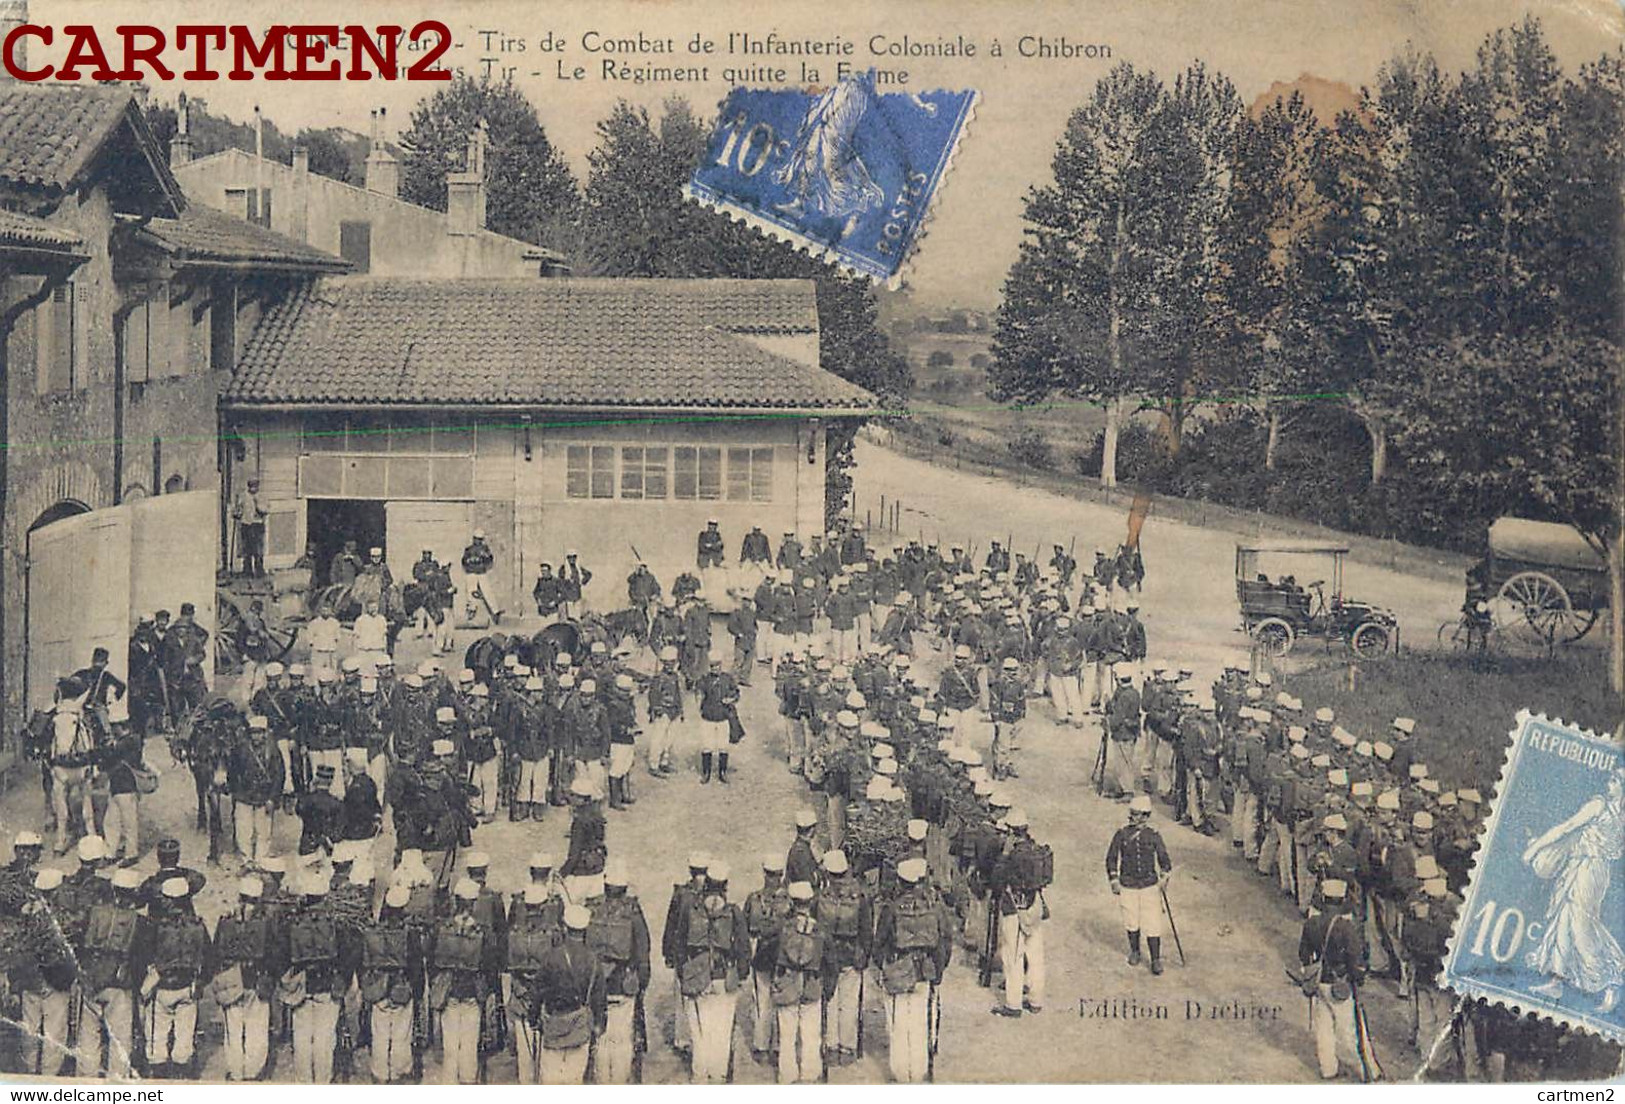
{"type": "Point", "coordinates": [14, 13]}
{"type": "Point", "coordinates": [383, 170]}
{"type": "Point", "coordinates": [465, 191]}
{"type": "Point", "coordinates": [180, 146]}
{"type": "Point", "coordinates": [301, 194]}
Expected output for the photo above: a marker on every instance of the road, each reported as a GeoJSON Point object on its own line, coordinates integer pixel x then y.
{"type": "Point", "coordinates": [1227, 1016]}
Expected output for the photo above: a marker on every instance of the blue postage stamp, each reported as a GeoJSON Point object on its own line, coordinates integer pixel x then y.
{"type": "Point", "coordinates": [1544, 917]}
{"type": "Point", "coordinates": [846, 172]}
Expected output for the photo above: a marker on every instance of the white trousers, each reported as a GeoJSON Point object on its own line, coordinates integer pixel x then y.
{"type": "Point", "coordinates": [486, 777]}
{"type": "Point", "coordinates": [460, 1043]}
{"type": "Point", "coordinates": [534, 776]}
{"type": "Point", "coordinates": [1336, 1041]}
{"type": "Point", "coordinates": [662, 734]}
{"type": "Point", "coordinates": [105, 1033]}
{"type": "Point", "coordinates": [252, 826]}
{"type": "Point", "coordinates": [565, 1066]}
{"type": "Point", "coordinates": [171, 1026]}
{"type": "Point", "coordinates": [391, 1042]}
{"type": "Point", "coordinates": [1021, 952]}
{"type": "Point", "coordinates": [44, 1042]}
{"type": "Point", "coordinates": [614, 1064]}
{"type": "Point", "coordinates": [315, 1034]}
{"type": "Point", "coordinates": [801, 1043]}
{"type": "Point", "coordinates": [908, 1034]}
{"type": "Point", "coordinates": [844, 1009]}
{"type": "Point", "coordinates": [712, 1020]}
{"type": "Point", "coordinates": [248, 1038]}
{"type": "Point", "coordinates": [763, 1025]}
{"type": "Point", "coordinates": [527, 1045]}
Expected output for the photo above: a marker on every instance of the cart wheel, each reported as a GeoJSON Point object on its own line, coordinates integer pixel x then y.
{"type": "Point", "coordinates": [1535, 607]}
{"type": "Point", "coordinates": [1368, 640]}
{"type": "Point", "coordinates": [1274, 636]}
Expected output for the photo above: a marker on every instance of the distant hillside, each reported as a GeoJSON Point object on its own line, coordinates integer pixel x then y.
{"type": "Point", "coordinates": [1327, 99]}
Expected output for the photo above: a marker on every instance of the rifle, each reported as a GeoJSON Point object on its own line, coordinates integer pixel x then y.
{"type": "Point", "coordinates": [863, 976]}
{"type": "Point", "coordinates": [635, 553]}
{"type": "Point", "coordinates": [640, 1038]}
{"type": "Point", "coordinates": [990, 942]}
{"type": "Point", "coordinates": [933, 1030]}
{"type": "Point", "coordinates": [1172, 927]}
{"type": "Point", "coordinates": [1099, 774]}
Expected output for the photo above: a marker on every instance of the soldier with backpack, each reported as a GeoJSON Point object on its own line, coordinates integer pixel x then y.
{"type": "Point", "coordinates": [461, 962]}
{"type": "Point", "coordinates": [798, 989]}
{"type": "Point", "coordinates": [714, 950]}
{"type": "Point", "coordinates": [247, 964]}
{"type": "Point", "coordinates": [619, 935]}
{"type": "Point", "coordinates": [390, 982]}
{"type": "Point", "coordinates": [913, 944]}
{"type": "Point", "coordinates": [765, 913]}
{"type": "Point", "coordinates": [108, 946]}
{"type": "Point", "coordinates": [1019, 880]}
{"type": "Point", "coordinates": [571, 981]}
{"type": "Point", "coordinates": [846, 916]}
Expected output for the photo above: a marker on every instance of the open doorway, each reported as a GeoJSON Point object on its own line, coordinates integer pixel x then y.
{"type": "Point", "coordinates": [329, 522]}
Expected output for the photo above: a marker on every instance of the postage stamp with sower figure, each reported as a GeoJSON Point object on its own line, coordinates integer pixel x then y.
{"type": "Point", "coordinates": [846, 172]}
{"type": "Point", "coordinates": [1544, 917]}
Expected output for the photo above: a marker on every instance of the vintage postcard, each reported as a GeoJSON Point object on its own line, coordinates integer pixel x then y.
{"type": "Point", "coordinates": [854, 543]}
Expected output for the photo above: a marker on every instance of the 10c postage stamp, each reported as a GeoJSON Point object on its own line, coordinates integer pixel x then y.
{"type": "Point", "coordinates": [846, 172]}
{"type": "Point", "coordinates": [1544, 916]}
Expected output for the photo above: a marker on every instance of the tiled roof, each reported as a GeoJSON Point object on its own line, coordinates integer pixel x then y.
{"type": "Point", "coordinates": [212, 237]}
{"type": "Point", "coordinates": [50, 132]}
{"type": "Point", "coordinates": [17, 229]}
{"type": "Point", "coordinates": [539, 342]}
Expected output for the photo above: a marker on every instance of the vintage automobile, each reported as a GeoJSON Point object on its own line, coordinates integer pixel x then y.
{"type": "Point", "coordinates": [1275, 613]}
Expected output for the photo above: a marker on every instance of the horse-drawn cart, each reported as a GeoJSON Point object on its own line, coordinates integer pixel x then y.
{"type": "Point", "coordinates": [1545, 582]}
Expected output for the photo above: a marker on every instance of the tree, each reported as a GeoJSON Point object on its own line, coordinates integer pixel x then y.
{"type": "Point", "coordinates": [1382, 264]}
{"type": "Point", "coordinates": [1587, 188]}
{"type": "Point", "coordinates": [531, 194]}
{"type": "Point", "coordinates": [638, 223]}
{"type": "Point", "coordinates": [333, 154]}
{"type": "Point", "coordinates": [1112, 297]}
{"type": "Point", "coordinates": [1266, 322]}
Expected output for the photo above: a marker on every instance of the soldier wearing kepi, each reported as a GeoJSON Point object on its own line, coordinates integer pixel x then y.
{"type": "Point", "coordinates": [314, 983]}
{"type": "Point", "coordinates": [913, 944]}
{"type": "Point", "coordinates": [180, 959]}
{"type": "Point", "coordinates": [43, 976]}
{"type": "Point", "coordinates": [846, 917]}
{"type": "Point", "coordinates": [571, 981]}
{"type": "Point", "coordinates": [715, 954]}
{"type": "Point", "coordinates": [619, 935]}
{"type": "Point", "coordinates": [765, 913]}
{"type": "Point", "coordinates": [389, 978]}
{"type": "Point", "coordinates": [108, 944]}
{"type": "Point", "coordinates": [799, 980]}
{"type": "Point", "coordinates": [665, 703]}
{"type": "Point", "coordinates": [1137, 865]}
{"type": "Point", "coordinates": [247, 965]}
{"type": "Point", "coordinates": [461, 963]}
{"type": "Point", "coordinates": [1329, 950]}
{"type": "Point", "coordinates": [1023, 872]}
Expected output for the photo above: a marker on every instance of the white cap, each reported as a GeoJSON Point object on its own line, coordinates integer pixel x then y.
{"type": "Point", "coordinates": [917, 829]}
{"type": "Point", "coordinates": [717, 871]}
{"type": "Point", "coordinates": [801, 891]}
{"type": "Point", "coordinates": [615, 873]}
{"type": "Point", "coordinates": [576, 917]}
{"type": "Point", "coordinates": [250, 887]}
{"type": "Point", "coordinates": [1017, 818]}
{"type": "Point", "coordinates": [466, 889]}
{"type": "Point", "coordinates": [445, 715]}
{"type": "Point", "coordinates": [806, 818]}
{"type": "Point", "coordinates": [1141, 803]}
{"type": "Point", "coordinates": [911, 870]}
{"type": "Point", "coordinates": [173, 888]}
{"type": "Point", "coordinates": [92, 849]}
{"type": "Point", "coordinates": [50, 878]}
{"type": "Point", "coordinates": [581, 786]}
{"type": "Point", "coordinates": [27, 838]}
{"type": "Point", "coordinates": [398, 895]}
{"type": "Point", "coordinates": [835, 861]}
{"type": "Point", "coordinates": [541, 860]}
{"type": "Point", "coordinates": [443, 747]}
{"type": "Point", "coordinates": [477, 860]}
{"type": "Point", "coordinates": [1333, 889]}
{"type": "Point", "coordinates": [1407, 725]}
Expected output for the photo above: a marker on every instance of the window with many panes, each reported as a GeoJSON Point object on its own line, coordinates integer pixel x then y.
{"type": "Point", "coordinates": [658, 472]}
{"type": "Point", "coordinates": [398, 457]}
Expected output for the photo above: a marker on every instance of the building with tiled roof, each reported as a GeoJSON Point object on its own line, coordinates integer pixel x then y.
{"type": "Point", "coordinates": [615, 416]}
{"type": "Point", "coordinates": [122, 311]}
{"type": "Point", "coordinates": [368, 225]}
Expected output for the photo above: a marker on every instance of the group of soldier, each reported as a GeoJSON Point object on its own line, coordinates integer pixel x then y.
{"type": "Point", "coordinates": [910, 841]}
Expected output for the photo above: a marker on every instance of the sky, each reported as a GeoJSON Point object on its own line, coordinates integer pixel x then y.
{"type": "Point", "coordinates": [975, 226]}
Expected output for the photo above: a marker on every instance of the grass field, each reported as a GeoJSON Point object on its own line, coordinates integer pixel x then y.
{"type": "Point", "coordinates": [1463, 711]}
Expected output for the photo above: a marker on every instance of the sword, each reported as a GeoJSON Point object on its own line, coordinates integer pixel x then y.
{"type": "Point", "coordinates": [1172, 927]}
